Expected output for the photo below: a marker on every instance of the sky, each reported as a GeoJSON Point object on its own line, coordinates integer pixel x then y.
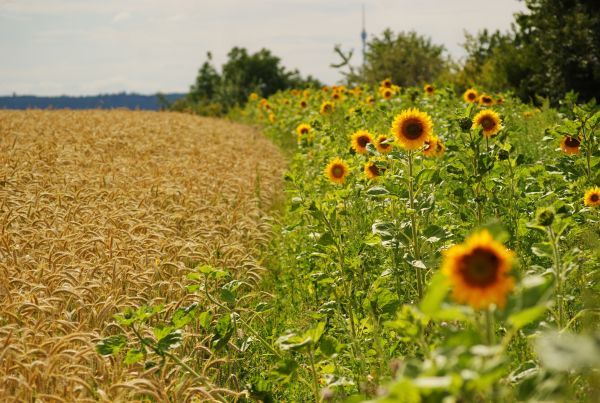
{"type": "Point", "coordinates": [86, 47]}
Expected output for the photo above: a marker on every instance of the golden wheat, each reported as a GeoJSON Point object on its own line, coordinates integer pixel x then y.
{"type": "Point", "coordinates": [103, 210]}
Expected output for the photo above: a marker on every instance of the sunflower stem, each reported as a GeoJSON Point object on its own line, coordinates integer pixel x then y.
{"type": "Point", "coordinates": [314, 375]}
{"type": "Point", "coordinates": [559, 277]}
{"type": "Point", "coordinates": [413, 221]}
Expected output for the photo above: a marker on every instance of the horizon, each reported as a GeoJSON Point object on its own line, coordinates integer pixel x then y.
{"type": "Point", "coordinates": [85, 48]}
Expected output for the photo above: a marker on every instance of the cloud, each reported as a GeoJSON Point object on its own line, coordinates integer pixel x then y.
{"type": "Point", "coordinates": [120, 17]}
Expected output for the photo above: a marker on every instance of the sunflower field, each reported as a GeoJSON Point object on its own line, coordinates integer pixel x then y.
{"type": "Point", "coordinates": [434, 247]}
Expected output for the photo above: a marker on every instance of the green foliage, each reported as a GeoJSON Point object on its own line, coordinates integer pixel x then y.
{"type": "Point", "coordinates": [553, 49]}
{"type": "Point", "coordinates": [215, 93]}
{"type": "Point", "coordinates": [406, 58]}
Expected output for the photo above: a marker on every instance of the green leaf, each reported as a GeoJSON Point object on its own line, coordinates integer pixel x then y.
{"type": "Point", "coordinates": [205, 319]}
{"type": "Point", "coordinates": [328, 345]}
{"type": "Point", "coordinates": [568, 351]}
{"type": "Point", "coordinates": [161, 331]}
{"type": "Point", "coordinates": [223, 332]}
{"type": "Point", "coordinates": [170, 341]}
{"type": "Point", "coordinates": [542, 249]}
{"type": "Point", "coordinates": [111, 345]}
{"type": "Point", "coordinates": [526, 316]}
{"type": "Point", "coordinates": [378, 191]}
{"type": "Point", "coordinates": [133, 355]}
{"type": "Point", "coordinates": [435, 295]}
{"type": "Point", "coordinates": [326, 239]}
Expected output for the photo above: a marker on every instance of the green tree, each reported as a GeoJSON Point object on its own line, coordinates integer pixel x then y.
{"type": "Point", "coordinates": [407, 58]}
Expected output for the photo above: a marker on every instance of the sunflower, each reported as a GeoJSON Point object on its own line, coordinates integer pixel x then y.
{"type": "Point", "coordinates": [470, 95]}
{"type": "Point", "coordinates": [360, 139]}
{"type": "Point", "coordinates": [486, 100]}
{"type": "Point", "coordinates": [489, 121]}
{"type": "Point", "coordinates": [387, 83]}
{"type": "Point", "coordinates": [337, 170]}
{"type": "Point", "coordinates": [479, 271]}
{"type": "Point", "coordinates": [370, 100]}
{"type": "Point", "coordinates": [499, 101]}
{"type": "Point", "coordinates": [306, 93]}
{"type": "Point", "coordinates": [327, 108]}
{"type": "Point", "coordinates": [428, 88]}
{"type": "Point", "coordinates": [295, 92]}
{"type": "Point", "coordinates": [592, 197]}
{"type": "Point", "coordinates": [272, 117]}
{"type": "Point", "coordinates": [372, 170]}
{"type": "Point", "coordinates": [303, 104]}
{"type": "Point", "coordinates": [412, 128]}
{"type": "Point", "coordinates": [336, 96]}
{"type": "Point", "coordinates": [264, 104]}
{"type": "Point", "coordinates": [570, 145]}
{"type": "Point", "coordinates": [387, 93]}
{"type": "Point", "coordinates": [253, 96]}
{"type": "Point", "coordinates": [382, 145]}
{"type": "Point", "coordinates": [434, 147]}
{"type": "Point", "coordinates": [303, 129]}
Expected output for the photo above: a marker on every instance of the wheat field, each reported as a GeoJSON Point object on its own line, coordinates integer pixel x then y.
{"type": "Point", "coordinates": [104, 210]}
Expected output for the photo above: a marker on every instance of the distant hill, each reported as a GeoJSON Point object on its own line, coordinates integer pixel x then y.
{"type": "Point", "coordinates": [103, 101]}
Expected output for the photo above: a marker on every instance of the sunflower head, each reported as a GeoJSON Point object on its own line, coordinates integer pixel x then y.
{"type": "Point", "coordinates": [253, 96]}
{"type": "Point", "coordinates": [412, 128]}
{"type": "Point", "coordinates": [306, 93]}
{"type": "Point", "coordinates": [434, 147]}
{"type": "Point", "coordinates": [303, 129]}
{"type": "Point", "coordinates": [499, 101]}
{"type": "Point", "coordinates": [570, 145]}
{"type": "Point", "coordinates": [428, 88]}
{"type": "Point", "coordinates": [387, 83]}
{"type": "Point", "coordinates": [470, 95]}
{"type": "Point", "coordinates": [360, 139]}
{"type": "Point", "coordinates": [263, 103]}
{"type": "Point", "coordinates": [486, 100]}
{"type": "Point", "coordinates": [382, 145]}
{"type": "Point", "coordinates": [272, 117]}
{"type": "Point", "coordinates": [303, 104]}
{"type": "Point", "coordinates": [592, 197]}
{"type": "Point", "coordinates": [295, 92]}
{"type": "Point", "coordinates": [327, 108]}
{"type": "Point", "coordinates": [372, 170]}
{"type": "Point", "coordinates": [370, 100]}
{"type": "Point", "coordinates": [336, 96]}
{"type": "Point", "coordinates": [325, 88]}
{"type": "Point", "coordinates": [479, 271]}
{"type": "Point", "coordinates": [337, 170]}
{"type": "Point", "coordinates": [489, 121]}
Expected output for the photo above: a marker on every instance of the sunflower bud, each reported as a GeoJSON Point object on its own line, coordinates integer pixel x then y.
{"type": "Point", "coordinates": [503, 155]}
{"type": "Point", "coordinates": [545, 217]}
{"type": "Point", "coordinates": [465, 124]}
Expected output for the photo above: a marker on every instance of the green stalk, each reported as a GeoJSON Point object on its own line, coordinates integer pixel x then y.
{"type": "Point", "coordinates": [314, 375]}
{"type": "Point", "coordinates": [413, 221]}
{"type": "Point", "coordinates": [559, 277]}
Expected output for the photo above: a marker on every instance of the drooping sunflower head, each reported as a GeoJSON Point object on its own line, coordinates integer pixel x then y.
{"type": "Point", "coordinates": [434, 147]}
{"type": "Point", "coordinates": [303, 129]}
{"type": "Point", "coordinates": [470, 95]}
{"type": "Point", "coordinates": [489, 121]}
{"type": "Point", "coordinates": [382, 145]}
{"type": "Point", "coordinates": [360, 139]}
{"type": "Point", "coordinates": [387, 83]}
{"type": "Point", "coordinates": [486, 100]}
{"type": "Point", "coordinates": [412, 128]}
{"type": "Point", "coordinates": [327, 108]}
{"type": "Point", "coordinates": [337, 170]}
{"type": "Point", "coordinates": [428, 88]}
{"type": "Point", "coordinates": [570, 145]}
{"type": "Point", "coordinates": [479, 271]}
{"type": "Point", "coordinates": [592, 197]}
{"type": "Point", "coordinates": [372, 170]}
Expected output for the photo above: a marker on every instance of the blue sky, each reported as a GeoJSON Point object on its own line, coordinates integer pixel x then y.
{"type": "Point", "coordinates": [80, 47]}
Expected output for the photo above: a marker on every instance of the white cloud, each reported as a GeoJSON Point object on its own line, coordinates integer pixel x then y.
{"type": "Point", "coordinates": [120, 17]}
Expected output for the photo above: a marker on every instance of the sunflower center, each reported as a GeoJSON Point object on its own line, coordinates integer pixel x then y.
{"type": "Point", "coordinates": [572, 142]}
{"type": "Point", "coordinates": [337, 171]}
{"type": "Point", "coordinates": [374, 170]}
{"type": "Point", "coordinates": [471, 96]}
{"type": "Point", "coordinates": [487, 123]}
{"type": "Point", "coordinates": [594, 197]}
{"type": "Point", "coordinates": [304, 130]}
{"type": "Point", "coordinates": [480, 267]}
{"type": "Point", "coordinates": [486, 100]}
{"type": "Point", "coordinates": [362, 141]}
{"type": "Point", "coordinates": [413, 129]}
